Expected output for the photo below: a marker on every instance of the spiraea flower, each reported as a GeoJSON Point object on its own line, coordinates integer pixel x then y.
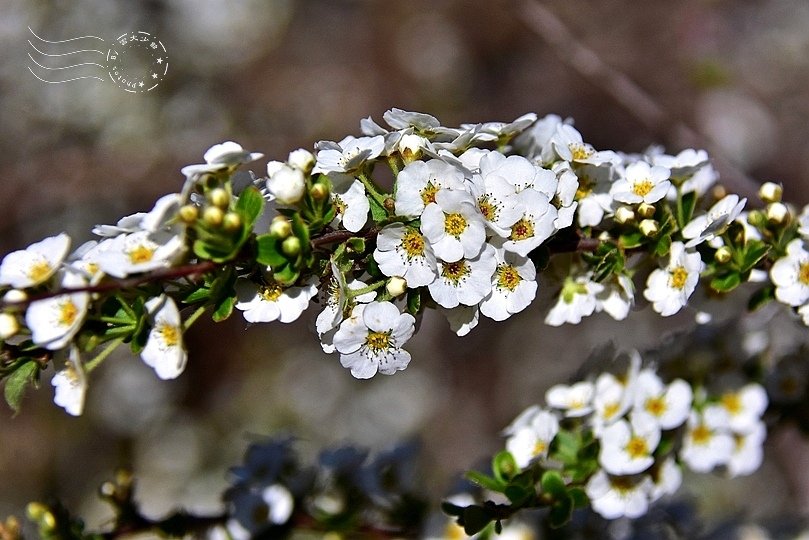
{"type": "Point", "coordinates": [627, 448]}
{"type": "Point", "coordinates": [453, 226]}
{"type": "Point", "coordinates": [418, 183]}
{"type": "Point", "coordinates": [666, 405]}
{"type": "Point", "coordinates": [744, 407]}
{"type": "Point", "coordinates": [532, 440]}
{"type": "Point", "coordinates": [578, 299]}
{"type": "Point", "coordinates": [348, 155]}
{"type": "Point", "coordinates": [535, 225]}
{"type": "Point", "coordinates": [352, 205]}
{"type": "Point", "coordinates": [714, 223]}
{"type": "Point", "coordinates": [748, 451]}
{"type": "Point", "coordinates": [669, 288]}
{"type": "Point", "coordinates": [466, 281]}
{"type": "Point", "coordinates": [54, 321]}
{"type": "Point", "coordinates": [140, 252]}
{"type": "Point", "coordinates": [221, 157]}
{"type": "Point", "coordinates": [790, 275]}
{"type": "Point", "coordinates": [164, 350]}
{"type": "Point", "coordinates": [371, 340]}
{"type": "Point", "coordinates": [619, 496]}
{"type": "Point", "coordinates": [575, 400]}
{"type": "Point", "coordinates": [286, 184]}
{"type": "Point", "coordinates": [70, 384]}
{"type": "Point", "coordinates": [269, 301]}
{"type": "Point", "coordinates": [36, 264]}
{"type": "Point", "coordinates": [514, 286]}
{"type": "Point", "coordinates": [403, 251]}
{"type": "Point", "coordinates": [568, 144]}
{"type": "Point", "coordinates": [641, 184]}
{"type": "Point", "coordinates": [708, 441]}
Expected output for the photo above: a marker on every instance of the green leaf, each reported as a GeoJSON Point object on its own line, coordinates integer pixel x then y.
{"type": "Point", "coordinates": [269, 251]}
{"type": "Point", "coordinates": [504, 466]}
{"type": "Point", "coordinates": [378, 212]}
{"type": "Point", "coordinates": [553, 484]}
{"type": "Point", "coordinates": [761, 297]}
{"type": "Point", "coordinates": [519, 495]}
{"type": "Point", "coordinates": [224, 308]}
{"type": "Point", "coordinates": [250, 206]}
{"type": "Point", "coordinates": [565, 447]}
{"type": "Point", "coordinates": [357, 245]}
{"type": "Point", "coordinates": [663, 245]}
{"type": "Point", "coordinates": [414, 301]}
{"type": "Point", "coordinates": [726, 283]}
{"type": "Point", "coordinates": [485, 481]}
{"type": "Point", "coordinates": [579, 497]}
{"type": "Point", "coordinates": [286, 276]}
{"type": "Point", "coordinates": [27, 373]}
{"type": "Point", "coordinates": [631, 240]}
{"type": "Point", "coordinates": [685, 207]}
{"type": "Point", "coordinates": [561, 512]}
{"type": "Point", "coordinates": [300, 229]}
{"type": "Point", "coordinates": [755, 250]}
{"type": "Point", "coordinates": [475, 519]}
{"type": "Point", "coordinates": [198, 295]}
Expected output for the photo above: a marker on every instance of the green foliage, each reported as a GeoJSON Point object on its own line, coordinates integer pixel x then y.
{"type": "Point", "coordinates": [25, 373]}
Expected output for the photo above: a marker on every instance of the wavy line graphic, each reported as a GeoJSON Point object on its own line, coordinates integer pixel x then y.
{"type": "Point", "coordinates": [63, 40]}
{"type": "Point", "coordinates": [64, 54]}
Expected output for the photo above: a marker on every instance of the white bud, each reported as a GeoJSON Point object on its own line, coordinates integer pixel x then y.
{"type": "Point", "coordinates": [410, 146]}
{"type": "Point", "coordinates": [624, 215]}
{"type": "Point", "coordinates": [649, 227]}
{"type": "Point", "coordinates": [770, 192]}
{"type": "Point", "coordinates": [287, 184]}
{"type": "Point", "coordinates": [302, 159]}
{"type": "Point", "coordinates": [396, 286]}
{"type": "Point", "coordinates": [777, 213]}
{"type": "Point", "coordinates": [15, 295]}
{"type": "Point", "coordinates": [8, 325]}
{"type": "Point", "coordinates": [274, 166]}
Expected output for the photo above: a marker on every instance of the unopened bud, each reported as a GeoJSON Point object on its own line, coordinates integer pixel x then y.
{"type": "Point", "coordinates": [719, 192]}
{"type": "Point", "coordinates": [8, 325]}
{"type": "Point", "coordinates": [287, 184]}
{"type": "Point", "coordinates": [604, 236]}
{"type": "Point", "coordinates": [646, 210]}
{"type": "Point", "coordinates": [188, 213]}
{"type": "Point", "coordinates": [302, 159]}
{"type": "Point", "coordinates": [14, 296]}
{"type": "Point", "coordinates": [319, 191]}
{"type": "Point", "coordinates": [410, 147]}
{"type": "Point", "coordinates": [389, 204]}
{"type": "Point", "coordinates": [291, 246]}
{"type": "Point", "coordinates": [770, 192]}
{"type": "Point", "coordinates": [219, 197]}
{"type": "Point", "coordinates": [723, 255]}
{"type": "Point", "coordinates": [777, 213]}
{"type": "Point", "coordinates": [757, 218]}
{"type": "Point", "coordinates": [232, 222]}
{"type": "Point", "coordinates": [280, 227]}
{"type": "Point", "coordinates": [624, 215]}
{"type": "Point", "coordinates": [648, 227]}
{"type": "Point", "coordinates": [396, 286]}
{"type": "Point", "coordinates": [213, 216]}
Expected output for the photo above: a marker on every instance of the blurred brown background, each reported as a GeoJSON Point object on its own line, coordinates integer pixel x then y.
{"type": "Point", "coordinates": [276, 75]}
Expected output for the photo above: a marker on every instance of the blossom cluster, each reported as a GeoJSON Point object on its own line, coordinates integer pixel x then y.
{"type": "Point", "coordinates": [646, 430]}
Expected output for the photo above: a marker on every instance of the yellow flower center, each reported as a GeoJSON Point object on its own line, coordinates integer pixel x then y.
{"type": "Point", "coordinates": [655, 406]}
{"type": "Point", "coordinates": [611, 409]}
{"type": "Point", "coordinates": [507, 277]}
{"type": "Point", "coordinates": [732, 402]}
{"type": "Point", "coordinates": [622, 484]}
{"type": "Point", "coordinates": [678, 278]}
{"type": "Point", "coordinates": [453, 531]}
{"type": "Point", "coordinates": [701, 434]}
{"type": "Point", "coordinates": [413, 244]}
{"type": "Point", "coordinates": [378, 341]}
{"type": "Point", "coordinates": [140, 254]}
{"type": "Point", "coordinates": [40, 271]}
{"type": "Point", "coordinates": [539, 448]}
{"type": "Point", "coordinates": [455, 224]}
{"type": "Point", "coordinates": [68, 312]}
{"type": "Point", "coordinates": [522, 230]}
{"type": "Point", "coordinates": [170, 334]}
{"type": "Point", "coordinates": [585, 188]}
{"type": "Point", "coordinates": [637, 447]}
{"type": "Point", "coordinates": [270, 293]}
{"type": "Point", "coordinates": [454, 271]}
{"type": "Point", "coordinates": [488, 209]}
{"type": "Point", "coordinates": [339, 205]}
{"type": "Point", "coordinates": [642, 188]}
{"type": "Point", "coordinates": [428, 193]}
{"type": "Point", "coordinates": [803, 273]}
{"type": "Point", "coordinates": [580, 151]}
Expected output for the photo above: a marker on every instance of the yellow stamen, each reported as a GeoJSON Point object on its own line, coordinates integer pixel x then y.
{"type": "Point", "coordinates": [678, 278]}
{"type": "Point", "coordinates": [637, 447]}
{"type": "Point", "coordinates": [378, 341]}
{"type": "Point", "coordinates": [508, 277]}
{"type": "Point", "coordinates": [140, 254]}
{"type": "Point", "coordinates": [522, 230]}
{"type": "Point", "coordinates": [455, 224]}
{"type": "Point", "coordinates": [701, 434]}
{"type": "Point", "coordinates": [455, 271]}
{"type": "Point", "coordinates": [732, 402]}
{"type": "Point", "coordinates": [655, 406]}
{"type": "Point", "coordinates": [428, 193]}
{"type": "Point", "coordinates": [642, 188]}
{"type": "Point", "coordinates": [803, 273]}
{"type": "Point", "coordinates": [270, 293]}
{"type": "Point", "coordinates": [68, 312]}
{"type": "Point", "coordinates": [40, 271]}
{"type": "Point", "coordinates": [170, 334]}
{"type": "Point", "coordinates": [413, 244]}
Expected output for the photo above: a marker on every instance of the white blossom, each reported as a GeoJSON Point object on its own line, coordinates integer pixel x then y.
{"type": "Point", "coordinates": [54, 321]}
{"type": "Point", "coordinates": [164, 350]}
{"type": "Point", "coordinates": [453, 226]}
{"type": "Point", "coordinates": [533, 439]}
{"type": "Point", "coordinates": [514, 286]}
{"type": "Point", "coordinates": [534, 226]}
{"type": "Point", "coordinates": [667, 405]}
{"type": "Point", "coordinates": [70, 384]}
{"type": "Point", "coordinates": [221, 157]}
{"type": "Point", "coordinates": [627, 448]}
{"type": "Point", "coordinates": [352, 206]}
{"type": "Point", "coordinates": [708, 226]}
{"type": "Point", "coordinates": [790, 275]}
{"type": "Point", "coordinates": [641, 183]}
{"type": "Point", "coordinates": [576, 400]}
{"type": "Point", "coordinates": [403, 251]}
{"type": "Point", "coordinates": [744, 407]}
{"type": "Point", "coordinates": [349, 154]}
{"type": "Point", "coordinates": [270, 302]}
{"type": "Point", "coordinates": [708, 441]}
{"type": "Point", "coordinates": [285, 184]}
{"type": "Point", "coordinates": [418, 183]}
{"type": "Point", "coordinates": [576, 300]}
{"type": "Point", "coordinates": [669, 288]}
{"type": "Point", "coordinates": [613, 497]}
{"type": "Point", "coordinates": [748, 451]}
{"type": "Point", "coordinates": [35, 264]}
{"type": "Point", "coordinates": [140, 252]}
{"type": "Point", "coordinates": [466, 281]}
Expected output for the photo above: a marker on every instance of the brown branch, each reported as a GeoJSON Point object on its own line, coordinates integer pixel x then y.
{"type": "Point", "coordinates": [638, 102]}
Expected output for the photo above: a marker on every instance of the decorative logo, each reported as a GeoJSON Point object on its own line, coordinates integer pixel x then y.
{"type": "Point", "coordinates": [136, 61]}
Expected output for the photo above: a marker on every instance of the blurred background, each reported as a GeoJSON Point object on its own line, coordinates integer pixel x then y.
{"type": "Point", "coordinates": [276, 75]}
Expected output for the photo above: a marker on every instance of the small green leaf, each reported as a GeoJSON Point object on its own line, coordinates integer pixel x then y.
{"type": "Point", "coordinates": [357, 245]}
{"type": "Point", "coordinates": [685, 208]}
{"type": "Point", "coordinates": [485, 481]}
{"type": "Point", "coordinates": [663, 245]}
{"type": "Point", "coordinates": [269, 251]}
{"type": "Point", "coordinates": [26, 373]}
{"type": "Point", "coordinates": [504, 466]}
{"type": "Point", "coordinates": [286, 276]}
{"type": "Point", "coordinates": [198, 295]}
{"type": "Point", "coordinates": [579, 497]}
{"type": "Point", "coordinates": [561, 512]}
{"type": "Point", "coordinates": [300, 230]}
{"type": "Point", "coordinates": [475, 519]}
{"type": "Point", "coordinates": [519, 495]}
{"type": "Point", "coordinates": [755, 250]}
{"type": "Point", "coordinates": [414, 301]}
{"type": "Point", "coordinates": [250, 206]}
{"type": "Point", "coordinates": [553, 484]}
{"type": "Point", "coordinates": [631, 240]}
{"type": "Point", "coordinates": [378, 212]}
{"type": "Point", "coordinates": [224, 308]}
{"type": "Point", "coordinates": [726, 283]}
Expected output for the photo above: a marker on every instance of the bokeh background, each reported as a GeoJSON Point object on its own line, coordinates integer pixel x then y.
{"type": "Point", "coordinates": [275, 75]}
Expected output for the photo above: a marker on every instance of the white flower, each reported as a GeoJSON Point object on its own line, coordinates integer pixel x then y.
{"type": "Point", "coordinates": [707, 442]}
{"type": "Point", "coordinates": [140, 252]}
{"type": "Point", "coordinates": [535, 143]}
{"type": "Point", "coordinates": [668, 406]}
{"type": "Point", "coordinates": [70, 385]}
{"type": "Point", "coordinates": [748, 452]}
{"type": "Point", "coordinates": [453, 226]}
{"type": "Point", "coordinates": [221, 157]}
{"type": "Point", "coordinates": [402, 251]}
{"type": "Point", "coordinates": [611, 400]}
{"type": "Point", "coordinates": [568, 145]}
{"type": "Point", "coordinates": [349, 154]}
{"type": "Point", "coordinates": [497, 202]}
{"type": "Point", "coordinates": [566, 189]}
{"type": "Point", "coordinates": [164, 211]}
{"type": "Point", "coordinates": [466, 281]}
{"type": "Point", "coordinates": [575, 400]}
{"type": "Point", "coordinates": [683, 165]}
{"type": "Point", "coordinates": [790, 275]}
{"type": "Point", "coordinates": [286, 184]}
{"type": "Point", "coordinates": [370, 340]}
{"type": "Point", "coordinates": [35, 264]}
{"type": "Point", "coordinates": [301, 159]}
{"type": "Point", "coordinates": [536, 224]}
{"type": "Point", "coordinates": [577, 300]}
{"type": "Point", "coordinates": [669, 288]}
{"type": "Point", "coordinates": [627, 448]}
{"type": "Point", "coordinates": [519, 172]}
{"type": "Point", "coordinates": [744, 407]}
{"type": "Point", "coordinates": [462, 319]}
{"type": "Point", "coordinates": [352, 206]}
{"type": "Point", "coordinates": [54, 321]}
{"type": "Point", "coordinates": [533, 440]}
{"type": "Point", "coordinates": [714, 223]}
{"type": "Point", "coordinates": [494, 131]}
{"type": "Point", "coordinates": [617, 297]}
{"type": "Point", "coordinates": [85, 260]}
{"type": "Point", "coordinates": [337, 306]}
{"type": "Point", "coordinates": [164, 350]}
{"type": "Point", "coordinates": [418, 183]}
{"type": "Point", "coordinates": [593, 194]}
{"type": "Point", "coordinates": [641, 183]}
{"type": "Point", "coordinates": [271, 302]}
{"type": "Point", "coordinates": [613, 497]}
{"type": "Point", "coordinates": [514, 286]}
{"type": "Point", "coordinates": [667, 478]}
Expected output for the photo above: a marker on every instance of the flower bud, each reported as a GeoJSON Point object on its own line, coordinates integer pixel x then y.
{"type": "Point", "coordinates": [319, 191]}
{"type": "Point", "coordinates": [756, 218]}
{"type": "Point", "coordinates": [777, 213]}
{"type": "Point", "coordinates": [219, 197]}
{"type": "Point", "coordinates": [719, 192]}
{"type": "Point", "coordinates": [604, 236]}
{"type": "Point", "coordinates": [410, 147]}
{"type": "Point", "coordinates": [213, 216]}
{"type": "Point", "coordinates": [302, 159]}
{"type": "Point", "coordinates": [723, 255]}
{"type": "Point", "coordinates": [8, 325]}
{"type": "Point", "coordinates": [291, 246]}
{"type": "Point", "coordinates": [624, 215]}
{"type": "Point", "coordinates": [280, 227]}
{"type": "Point", "coordinates": [232, 222]}
{"type": "Point", "coordinates": [648, 227]}
{"type": "Point", "coordinates": [646, 210]}
{"type": "Point", "coordinates": [287, 184]}
{"type": "Point", "coordinates": [396, 286]}
{"type": "Point", "coordinates": [188, 214]}
{"type": "Point", "coordinates": [15, 296]}
{"type": "Point", "coordinates": [770, 192]}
